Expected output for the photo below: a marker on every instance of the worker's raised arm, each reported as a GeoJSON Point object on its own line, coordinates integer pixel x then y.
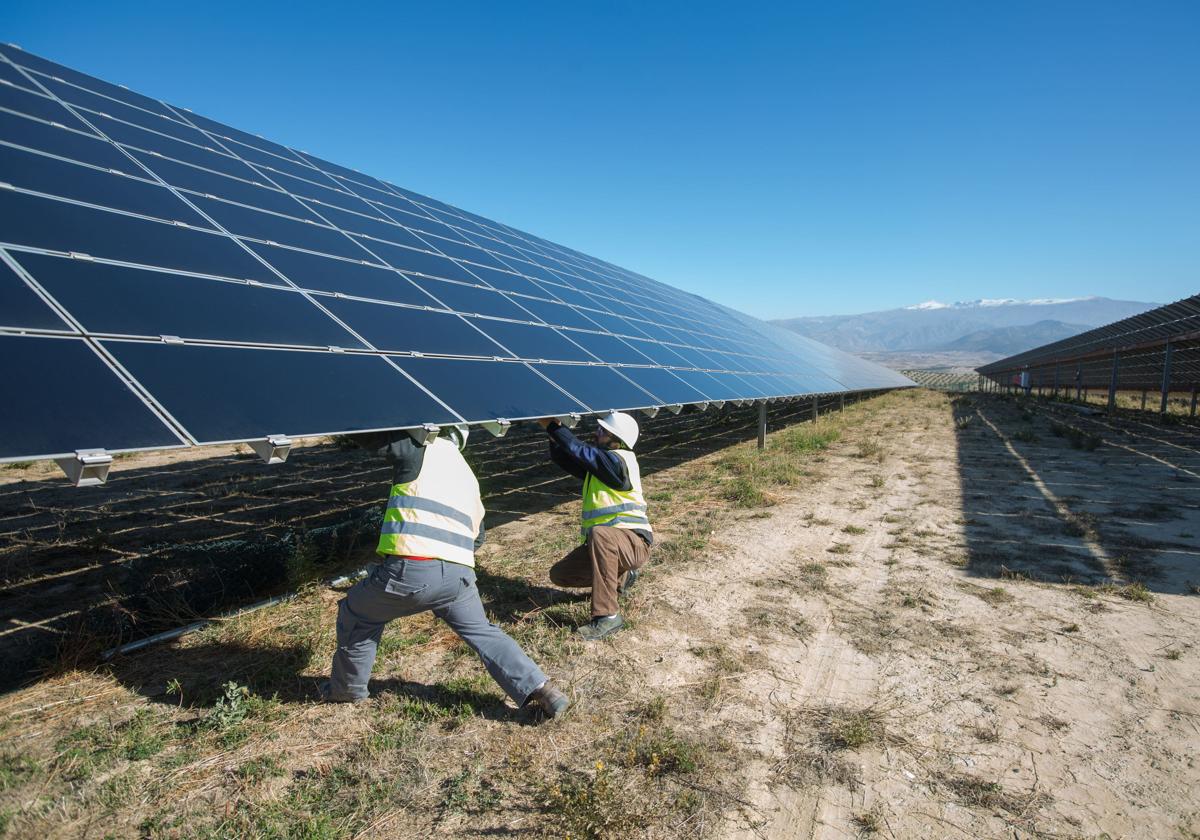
{"type": "Point", "coordinates": [401, 451]}
{"type": "Point", "coordinates": [579, 458]}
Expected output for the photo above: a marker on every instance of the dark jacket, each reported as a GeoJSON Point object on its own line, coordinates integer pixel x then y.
{"type": "Point", "coordinates": [579, 459]}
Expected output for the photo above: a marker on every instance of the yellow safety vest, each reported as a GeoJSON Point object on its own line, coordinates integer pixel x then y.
{"type": "Point", "coordinates": [438, 513]}
{"type": "Point", "coordinates": [602, 505]}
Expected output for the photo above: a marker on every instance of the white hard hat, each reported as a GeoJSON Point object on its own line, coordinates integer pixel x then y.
{"type": "Point", "coordinates": [621, 426]}
{"type": "Point", "coordinates": [458, 433]}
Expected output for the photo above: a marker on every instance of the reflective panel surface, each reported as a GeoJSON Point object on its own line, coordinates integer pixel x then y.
{"type": "Point", "coordinates": [197, 253]}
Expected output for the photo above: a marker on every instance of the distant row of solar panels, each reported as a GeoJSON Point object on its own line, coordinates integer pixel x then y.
{"type": "Point", "coordinates": [167, 280]}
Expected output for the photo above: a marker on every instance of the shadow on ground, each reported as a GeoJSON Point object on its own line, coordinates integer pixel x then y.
{"type": "Point", "coordinates": [1065, 494]}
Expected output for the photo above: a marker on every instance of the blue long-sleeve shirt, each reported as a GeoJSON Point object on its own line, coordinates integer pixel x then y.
{"type": "Point", "coordinates": [579, 459]}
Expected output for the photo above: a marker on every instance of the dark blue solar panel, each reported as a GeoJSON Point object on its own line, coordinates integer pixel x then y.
{"type": "Point", "coordinates": [403, 330]}
{"type": "Point", "coordinates": [60, 226]}
{"type": "Point", "coordinates": [56, 140]}
{"type": "Point", "coordinates": [526, 341]}
{"type": "Point", "coordinates": [233, 393]}
{"type": "Point", "coordinates": [346, 277]}
{"type": "Point", "coordinates": [118, 300]}
{"type": "Point", "coordinates": [600, 387]}
{"type": "Point", "coordinates": [22, 308]}
{"type": "Point", "coordinates": [472, 289]}
{"type": "Point", "coordinates": [69, 400]}
{"type": "Point", "coordinates": [36, 105]}
{"type": "Point", "coordinates": [57, 177]}
{"type": "Point", "coordinates": [490, 390]}
{"type": "Point", "coordinates": [472, 299]}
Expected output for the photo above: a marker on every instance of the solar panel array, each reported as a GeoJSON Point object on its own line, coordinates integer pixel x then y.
{"type": "Point", "coordinates": [167, 280]}
{"type": "Point", "coordinates": [1130, 354]}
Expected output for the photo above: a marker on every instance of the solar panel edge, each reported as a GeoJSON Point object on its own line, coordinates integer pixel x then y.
{"type": "Point", "coordinates": [571, 269]}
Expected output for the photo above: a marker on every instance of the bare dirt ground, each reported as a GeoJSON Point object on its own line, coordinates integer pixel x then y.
{"type": "Point", "coordinates": [919, 618]}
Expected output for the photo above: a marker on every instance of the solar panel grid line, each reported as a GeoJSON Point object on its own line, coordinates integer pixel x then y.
{"type": "Point", "coordinates": [636, 303]}
{"type": "Point", "coordinates": [97, 348]}
{"type": "Point", "coordinates": [471, 322]}
{"type": "Point", "coordinates": [254, 255]}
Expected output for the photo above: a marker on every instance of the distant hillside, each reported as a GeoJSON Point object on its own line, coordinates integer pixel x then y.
{"type": "Point", "coordinates": [977, 326]}
{"type": "Point", "coordinates": [1005, 341]}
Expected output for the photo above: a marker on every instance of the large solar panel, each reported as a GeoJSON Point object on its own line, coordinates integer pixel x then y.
{"type": "Point", "coordinates": [167, 280]}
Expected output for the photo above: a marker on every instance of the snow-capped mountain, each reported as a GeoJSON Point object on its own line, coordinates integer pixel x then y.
{"type": "Point", "coordinates": [991, 327]}
{"type": "Point", "coordinates": [982, 302]}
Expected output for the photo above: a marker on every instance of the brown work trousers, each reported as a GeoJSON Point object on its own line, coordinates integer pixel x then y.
{"type": "Point", "coordinates": [602, 563]}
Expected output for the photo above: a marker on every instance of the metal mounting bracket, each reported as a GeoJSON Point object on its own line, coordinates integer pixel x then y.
{"type": "Point", "coordinates": [701, 406]}
{"type": "Point", "coordinates": [718, 404]}
{"type": "Point", "coordinates": [650, 412]}
{"type": "Point", "coordinates": [273, 449]}
{"type": "Point", "coordinates": [674, 409]}
{"type": "Point", "coordinates": [87, 467]}
{"type": "Point", "coordinates": [568, 420]}
{"type": "Point", "coordinates": [498, 427]}
{"type": "Point", "coordinates": [425, 435]}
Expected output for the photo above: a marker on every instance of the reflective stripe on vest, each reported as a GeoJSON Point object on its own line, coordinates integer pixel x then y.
{"type": "Point", "coordinates": [604, 505]}
{"type": "Point", "coordinates": [438, 513]}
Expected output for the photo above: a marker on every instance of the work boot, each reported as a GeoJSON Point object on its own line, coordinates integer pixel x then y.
{"type": "Point", "coordinates": [630, 579]}
{"type": "Point", "coordinates": [550, 700]}
{"type": "Point", "coordinates": [600, 627]}
{"type": "Point", "coordinates": [328, 695]}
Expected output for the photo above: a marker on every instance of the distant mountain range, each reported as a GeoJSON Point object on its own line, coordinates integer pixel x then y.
{"type": "Point", "coordinates": [961, 334]}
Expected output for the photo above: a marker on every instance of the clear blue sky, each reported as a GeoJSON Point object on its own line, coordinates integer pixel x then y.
{"type": "Point", "coordinates": [785, 159]}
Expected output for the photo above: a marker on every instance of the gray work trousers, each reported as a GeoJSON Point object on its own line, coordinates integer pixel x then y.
{"type": "Point", "coordinates": [400, 587]}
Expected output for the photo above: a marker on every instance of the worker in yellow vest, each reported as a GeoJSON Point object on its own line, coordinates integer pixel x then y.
{"type": "Point", "coordinates": [615, 529]}
{"type": "Point", "coordinates": [431, 527]}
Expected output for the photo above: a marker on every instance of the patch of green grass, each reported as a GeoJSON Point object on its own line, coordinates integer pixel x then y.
{"type": "Point", "coordinates": [88, 749]}
{"type": "Point", "coordinates": [16, 769]}
{"type": "Point", "coordinates": [592, 806]}
{"type": "Point", "coordinates": [875, 481]}
{"type": "Point", "coordinates": [1135, 591]}
{"type": "Point", "coordinates": [259, 769]}
{"type": "Point", "coordinates": [839, 548]}
{"type": "Point", "coordinates": [659, 750]}
{"type": "Point", "coordinates": [843, 728]}
{"type": "Point", "coordinates": [1025, 436]}
{"type": "Point", "coordinates": [234, 713]}
{"type": "Point", "coordinates": [117, 791]}
{"type": "Point", "coordinates": [743, 492]}
{"type": "Point", "coordinates": [809, 438]}
{"type": "Point", "coordinates": [854, 529]}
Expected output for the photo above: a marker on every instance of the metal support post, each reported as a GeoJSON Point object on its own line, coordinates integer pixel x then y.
{"type": "Point", "coordinates": [1166, 380]}
{"type": "Point", "coordinates": [816, 409]}
{"type": "Point", "coordinates": [762, 425]}
{"type": "Point", "coordinates": [1143, 399]}
{"type": "Point", "coordinates": [841, 402]}
{"type": "Point", "coordinates": [1193, 414]}
{"type": "Point", "coordinates": [1112, 384]}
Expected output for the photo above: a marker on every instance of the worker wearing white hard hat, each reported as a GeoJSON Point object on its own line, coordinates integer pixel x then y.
{"type": "Point", "coordinates": [615, 529]}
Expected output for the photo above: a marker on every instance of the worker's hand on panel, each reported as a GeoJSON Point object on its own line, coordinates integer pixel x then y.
{"type": "Point", "coordinates": [545, 422]}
